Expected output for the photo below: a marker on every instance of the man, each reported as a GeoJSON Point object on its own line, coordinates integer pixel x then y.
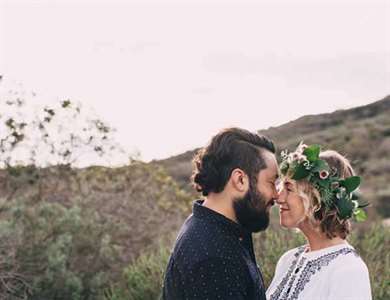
{"type": "Point", "coordinates": [213, 257]}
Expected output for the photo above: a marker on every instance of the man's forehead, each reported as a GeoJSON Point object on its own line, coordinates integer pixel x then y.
{"type": "Point", "coordinates": [272, 168]}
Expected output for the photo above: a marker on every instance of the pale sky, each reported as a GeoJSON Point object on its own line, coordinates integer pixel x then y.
{"type": "Point", "coordinates": [169, 75]}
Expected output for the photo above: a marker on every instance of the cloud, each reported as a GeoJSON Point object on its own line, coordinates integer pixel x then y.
{"type": "Point", "coordinates": [356, 71]}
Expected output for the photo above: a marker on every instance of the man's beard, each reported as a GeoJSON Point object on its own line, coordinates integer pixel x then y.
{"type": "Point", "coordinates": [251, 211]}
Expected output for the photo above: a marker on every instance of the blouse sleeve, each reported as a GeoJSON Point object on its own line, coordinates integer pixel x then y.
{"type": "Point", "coordinates": [350, 282]}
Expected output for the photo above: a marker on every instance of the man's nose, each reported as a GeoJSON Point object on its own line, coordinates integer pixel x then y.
{"type": "Point", "coordinates": [280, 198]}
{"type": "Point", "coordinates": [275, 193]}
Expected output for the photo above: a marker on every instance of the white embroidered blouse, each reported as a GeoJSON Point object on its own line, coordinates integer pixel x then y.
{"type": "Point", "coordinates": [333, 273]}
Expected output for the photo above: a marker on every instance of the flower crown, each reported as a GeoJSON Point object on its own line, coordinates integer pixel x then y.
{"type": "Point", "coordinates": [335, 192]}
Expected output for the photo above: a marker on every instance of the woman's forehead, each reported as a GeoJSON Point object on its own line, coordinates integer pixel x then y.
{"type": "Point", "coordinates": [288, 181]}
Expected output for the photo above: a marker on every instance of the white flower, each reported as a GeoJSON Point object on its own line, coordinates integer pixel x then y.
{"type": "Point", "coordinates": [355, 204]}
{"type": "Point", "coordinates": [307, 165]}
{"type": "Point", "coordinates": [341, 192]}
{"type": "Point", "coordinates": [301, 147]}
{"type": "Point", "coordinates": [302, 158]}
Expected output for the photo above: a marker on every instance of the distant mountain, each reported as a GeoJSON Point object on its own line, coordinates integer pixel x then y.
{"type": "Point", "coordinates": [145, 202]}
{"type": "Point", "coordinates": [361, 133]}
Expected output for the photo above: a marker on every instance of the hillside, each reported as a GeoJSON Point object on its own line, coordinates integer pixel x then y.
{"type": "Point", "coordinates": [361, 133]}
{"type": "Point", "coordinates": [90, 232]}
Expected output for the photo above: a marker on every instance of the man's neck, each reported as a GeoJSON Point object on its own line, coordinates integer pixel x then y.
{"type": "Point", "coordinates": [220, 204]}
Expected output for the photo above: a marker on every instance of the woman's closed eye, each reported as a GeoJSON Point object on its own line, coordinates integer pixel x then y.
{"type": "Point", "coordinates": [289, 188]}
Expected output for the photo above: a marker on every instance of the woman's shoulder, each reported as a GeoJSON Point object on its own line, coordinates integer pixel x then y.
{"type": "Point", "coordinates": [351, 262]}
{"type": "Point", "coordinates": [349, 278]}
{"type": "Point", "coordinates": [348, 264]}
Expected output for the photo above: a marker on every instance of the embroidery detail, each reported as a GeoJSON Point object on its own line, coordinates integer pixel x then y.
{"type": "Point", "coordinates": [283, 283]}
{"type": "Point", "coordinates": [315, 265]}
{"type": "Point", "coordinates": [292, 279]}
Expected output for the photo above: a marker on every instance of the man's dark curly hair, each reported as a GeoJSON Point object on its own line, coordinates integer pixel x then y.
{"type": "Point", "coordinates": [231, 148]}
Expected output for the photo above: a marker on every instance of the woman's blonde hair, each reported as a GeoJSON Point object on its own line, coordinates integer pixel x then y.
{"type": "Point", "coordinates": [319, 216]}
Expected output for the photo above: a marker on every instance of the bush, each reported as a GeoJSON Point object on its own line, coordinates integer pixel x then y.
{"type": "Point", "coordinates": [383, 203]}
{"type": "Point", "coordinates": [60, 253]}
{"type": "Point", "coordinates": [373, 246]}
{"type": "Point", "coordinates": [144, 277]}
{"type": "Point", "coordinates": [269, 247]}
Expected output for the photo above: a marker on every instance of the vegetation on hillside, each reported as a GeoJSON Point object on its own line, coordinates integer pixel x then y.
{"type": "Point", "coordinates": [106, 233]}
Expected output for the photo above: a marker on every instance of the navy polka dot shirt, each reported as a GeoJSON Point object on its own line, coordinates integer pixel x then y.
{"type": "Point", "coordinates": [213, 258]}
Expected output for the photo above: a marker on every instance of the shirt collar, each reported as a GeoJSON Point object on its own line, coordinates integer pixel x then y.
{"type": "Point", "coordinates": [220, 220]}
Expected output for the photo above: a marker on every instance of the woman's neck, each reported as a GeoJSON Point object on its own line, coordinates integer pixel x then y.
{"type": "Point", "coordinates": [318, 240]}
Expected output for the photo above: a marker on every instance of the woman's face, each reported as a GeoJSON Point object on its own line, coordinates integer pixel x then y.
{"type": "Point", "coordinates": [291, 207]}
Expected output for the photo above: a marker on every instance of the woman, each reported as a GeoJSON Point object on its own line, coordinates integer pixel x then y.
{"type": "Point", "coordinates": [318, 196]}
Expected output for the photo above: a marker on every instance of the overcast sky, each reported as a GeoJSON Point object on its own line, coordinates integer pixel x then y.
{"type": "Point", "coordinates": [168, 75]}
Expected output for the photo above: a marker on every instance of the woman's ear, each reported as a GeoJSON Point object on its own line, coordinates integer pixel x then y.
{"type": "Point", "coordinates": [240, 180]}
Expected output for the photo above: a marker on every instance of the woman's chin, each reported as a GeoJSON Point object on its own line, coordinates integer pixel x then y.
{"type": "Point", "coordinates": [286, 224]}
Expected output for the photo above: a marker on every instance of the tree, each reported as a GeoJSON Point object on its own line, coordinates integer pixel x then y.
{"type": "Point", "coordinates": [60, 134]}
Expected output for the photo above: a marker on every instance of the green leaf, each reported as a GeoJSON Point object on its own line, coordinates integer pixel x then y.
{"type": "Point", "coordinates": [363, 204]}
{"type": "Point", "coordinates": [356, 195]}
{"type": "Point", "coordinates": [284, 167]}
{"type": "Point", "coordinates": [320, 165]}
{"type": "Point", "coordinates": [351, 183]}
{"type": "Point", "coordinates": [312, 152]}
{"type": "Point", "coordinates": [300, 172]}
{"type": "Point", "coordinates": [360, 215]}
{"type": "Point", "coordinates": [65, 103]}
{"type": "Point", "coordinates": [345, 207]}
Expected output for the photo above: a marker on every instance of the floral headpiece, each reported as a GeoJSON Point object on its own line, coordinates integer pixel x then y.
{"type": "Point", "coordinates": [335, 192]}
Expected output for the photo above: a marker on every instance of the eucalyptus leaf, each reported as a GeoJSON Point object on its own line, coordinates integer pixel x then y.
{"type": "Point", "coordinates": [284, 167]}
{"type": "Point", "coordinates": [300, 172]}
{"type": "Point", "coordinates": [312, 152]}
{"type": "Point", "coordinates": [351, 183]}
{"type": "Point", "coordinates": [363, 204]}
{"type": "Point", "coordinates": [360, 215]}
{"type": "Point", "coordinates": [320, 165]}
{"type": "Point", "coordinates": [345, 207]}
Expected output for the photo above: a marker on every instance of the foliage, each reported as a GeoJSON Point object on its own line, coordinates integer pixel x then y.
{"type": "Point", "coordinates": [61, 253]}
{"type": "Point", "coordinates": [63, 133]}
{"type": "Point", "coordinates": [144, 277]}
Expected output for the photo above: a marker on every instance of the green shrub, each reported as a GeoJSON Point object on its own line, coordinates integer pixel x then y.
{"type": "Point", "coordinates": [383, 203]}
{"type": "Point", "coordinates": [269, 247]}
{"type": "Point", "coordinates": [61, 253]}
{"type": "Point", "coordinates": [144, 277]}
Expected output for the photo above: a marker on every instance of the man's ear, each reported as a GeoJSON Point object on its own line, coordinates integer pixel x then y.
{"type": "Point", "coordinates": [240, 180]}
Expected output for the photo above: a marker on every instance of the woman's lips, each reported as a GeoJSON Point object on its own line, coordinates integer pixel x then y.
{"type": "Point", "coordinates": [282, 210]}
